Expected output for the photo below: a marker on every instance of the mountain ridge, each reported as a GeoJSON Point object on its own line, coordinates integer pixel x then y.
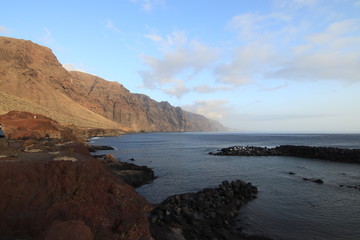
{"type": "Point", "coordinates": [32, 73]}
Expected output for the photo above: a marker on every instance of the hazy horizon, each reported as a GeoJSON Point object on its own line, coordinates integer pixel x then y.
{"type": "Point", "coordinates": [255, 66]}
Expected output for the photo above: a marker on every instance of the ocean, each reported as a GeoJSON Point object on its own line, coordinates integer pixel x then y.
{"type": "Point", "coordinates": [287, 207]}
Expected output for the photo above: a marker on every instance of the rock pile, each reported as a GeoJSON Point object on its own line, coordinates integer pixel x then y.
{"type": "Point", "coordinates": [132, 174]}
{"type": "Point", "coordinates": [324, 153]}
{"type": "Point", "coordinates": [246, 151]}
{"type": "Point", "coordinates": [208, 214]}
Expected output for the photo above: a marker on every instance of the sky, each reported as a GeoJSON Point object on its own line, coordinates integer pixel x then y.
{"type": "Point", "coordinates": [256, 65]}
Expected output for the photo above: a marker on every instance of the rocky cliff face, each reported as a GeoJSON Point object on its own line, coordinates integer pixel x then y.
{"type": "Point", "coordinates": [133, 111]}
{"type": "Point", "coordinates": [32, 80]}
{"type": "Point", "coordinates": [31, 72]}
{"type": "Point", "coordinates": [198, 121]}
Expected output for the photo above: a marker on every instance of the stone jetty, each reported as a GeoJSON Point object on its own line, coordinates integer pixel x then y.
{"type": "Point", "coordinates": [323, 153]}
{"type": "Point", "coordinates": [208, 214]}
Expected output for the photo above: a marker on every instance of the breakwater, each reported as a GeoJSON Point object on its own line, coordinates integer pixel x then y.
{"type": "Point", "coordinates": [323, 153]}
{"type": "Point", "coordinates": [208, 214]}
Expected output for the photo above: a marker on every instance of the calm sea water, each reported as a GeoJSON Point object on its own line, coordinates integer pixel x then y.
{"type": "Point", "coordinates": [286, 208]}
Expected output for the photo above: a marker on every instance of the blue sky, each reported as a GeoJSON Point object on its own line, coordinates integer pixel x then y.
{"type": "Point", "coordinates": [270, 65]}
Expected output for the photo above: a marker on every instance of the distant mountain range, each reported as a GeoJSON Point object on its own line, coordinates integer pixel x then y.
{"type": "Point", "coordinates": [33, 80]}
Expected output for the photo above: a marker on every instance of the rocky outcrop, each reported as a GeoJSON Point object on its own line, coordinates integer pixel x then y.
{"type": "Point", "coordinates": [132, 174]}
{"type": "Point", "coordinates": [315, 180]}
{"type": "Point", "coordinates": [60, 192]}
{"type": "Point", "coordinates": [324, 153]}
{"type": "Point", "coordinates": [208, 214]}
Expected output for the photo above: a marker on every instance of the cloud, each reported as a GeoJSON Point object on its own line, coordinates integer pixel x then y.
{"type": "Point", "coordinates": [334, 31]}
{"type": "Point", "coordinates": [291, 5]}
{"type": "Point", "coordinates": [72, 67]}
{"type": "Point", "coordinates": [333, 54]}
{"type": "Point", "coordinates": [178, 89]}
{"type": "Point", "coordinates": [250, 26]}
{"type": "Point", "coordinates": [148, 5]}
{"type": "Point", "coordinates": [284, 85]}
{"type": "Point", "coordinates": [272, 46]}
{"type": "Point", "coordinates": [214, 109]}
{"type": "Point", "coordinates": [180, 62]}
{"type": "Point", "coordinates": [205, 88]}
{"type": "Point", "coordinates": [111, 25]}
{"type": "Point", "coordinates": [4, 30]}
{"type": "Point", "coordinates": [280, 116]}
{"type": "Point", "coordinates": [247, 63]}
{"type": "Point", "coordinates": [154, 37]}
{"type": "Point", "coordinates": [357, 3]}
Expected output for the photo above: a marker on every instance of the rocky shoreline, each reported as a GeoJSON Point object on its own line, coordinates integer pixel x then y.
{"type": "Point", "coordinates": [54, 189]}
{"type": "Point", "coordinates": [207, 214]}
{"type": "Point", "coordinates": [51, 187]}
{"type": "Point", "coordinates": [323, 153]}
{"type": "Point", "coordinates": [132, 174]}
{"type": "Point", "coordinates": [69, 194]}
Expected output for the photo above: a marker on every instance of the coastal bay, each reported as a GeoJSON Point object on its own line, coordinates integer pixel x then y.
{"type": "Point", "coordinates": [285, 201]}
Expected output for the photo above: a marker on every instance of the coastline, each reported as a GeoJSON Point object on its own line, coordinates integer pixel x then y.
{"type": "Point", "coordinates": [61, 174]}
{"type": "Point", "coordinates": [73, 157]}
{"type": "Point", "coordinates": [66, 193]}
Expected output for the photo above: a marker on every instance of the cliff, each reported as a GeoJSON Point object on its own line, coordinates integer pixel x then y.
{"type": "Point", "coordinates": [133, 111]}
{"type": "Point", "coordinates": [33, 80]}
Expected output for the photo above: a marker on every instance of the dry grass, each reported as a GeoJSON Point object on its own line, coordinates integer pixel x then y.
{"type": "Point", "coordinates": [10, 102]}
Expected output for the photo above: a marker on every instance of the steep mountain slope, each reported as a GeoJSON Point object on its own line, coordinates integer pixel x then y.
{"type": "Point", "coordinates": [135, 111]}
{"type": "Point", "coordinates": [177, 118]}
{"type": "Point", "coordinates": [108, 99]}
{"type": "Point", "coordinates": [32, 77]}
{"type": "Point", "coordinates": [199, 121]}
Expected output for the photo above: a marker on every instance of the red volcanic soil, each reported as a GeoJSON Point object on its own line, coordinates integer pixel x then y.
{"type": "Point", "coordinates": [53, 189]}
{"type": "Point", "coordinates": [41, 199]}
{"type": "Point", "coordinates": [18, 124]}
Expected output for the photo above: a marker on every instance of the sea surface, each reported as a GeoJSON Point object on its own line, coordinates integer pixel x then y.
{"type": "Point", "coordinates": [287, 207]}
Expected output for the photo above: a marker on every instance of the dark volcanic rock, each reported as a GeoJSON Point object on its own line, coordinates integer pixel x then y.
{"type": "Point", "coordinates": [93, 148]}
{"type": "Point", "coordinates": [132, 174]}
{"type": "Point", "coordinates": [246, 151]}
{"type": "Point", "coordinates": [315, 180]}
{"type": "Point", "coordinates": [324, 153]}
{"type": "Point", "coordinates": [208, 214]}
